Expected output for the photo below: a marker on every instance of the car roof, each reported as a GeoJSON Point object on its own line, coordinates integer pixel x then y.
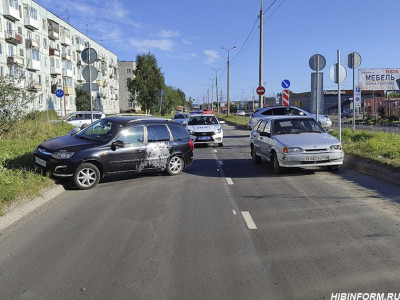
{"type": "Point", "coordinates": [286, 117]}
{"type": "Point", "coordinates": [123, 120]}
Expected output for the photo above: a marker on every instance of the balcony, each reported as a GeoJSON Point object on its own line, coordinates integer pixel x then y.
{"type": "Point", "coordinates": [32, 44]}
{"type": "Point", "coordinates": [65, 56]}
{"type": "Point", "coordinates": [79, 47]}
{"type": "Point", "coordinates": [67, 73]}
{"type": "Point", "coordinates": [10, 12]}
{"type": "Point", "coordinates": [68, 90]}
{"type": "Point", "coordinates": [31, 23]}
{"type": "Point", "coordinates": [53, 30]}
{"type": "Point", "coordinates": [13, 38]}
{"type": "Point", "coordinates": [99, 82]}
{"type": "Point", "coordinates": [15, 60]}
{"type": "Point", "coordinates": [34, 86]}
{"type": "Point", "coordinates": [54, 52]}
{"type": "Point", "coordinates": [33, 65]}
{"type": "Point", "coordinates": [65, 40]}
{"type": "Point", "coordinates": [55, 70]}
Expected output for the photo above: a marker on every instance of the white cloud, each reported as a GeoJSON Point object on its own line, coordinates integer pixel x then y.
{"type": "Point", "coordinates": [147, 44]}
{"type": "Point", "coordinates": [212, 56]}
{"type": "Point", "coordinates": [168, 33]}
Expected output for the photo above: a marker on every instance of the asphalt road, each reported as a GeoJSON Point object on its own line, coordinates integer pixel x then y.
{"type": "Point", "coordinates": [225, 229]}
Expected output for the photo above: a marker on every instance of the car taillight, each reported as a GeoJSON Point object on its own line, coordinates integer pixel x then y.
{"type": "Point", "coordinates": [191, 144]}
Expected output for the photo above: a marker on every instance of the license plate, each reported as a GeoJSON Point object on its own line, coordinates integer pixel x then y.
{"type": "Point", "coordinates": [316, 158]}
{"type": "Point", "coordinates": [40, 161]}
{"type": "Point", "coordinates": [202, 138]}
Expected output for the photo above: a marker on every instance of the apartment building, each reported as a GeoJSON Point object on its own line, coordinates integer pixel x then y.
{"type": "Point", "coordinates": [125, 69]}
{"type": "Point", "coordinates": [46, 51]}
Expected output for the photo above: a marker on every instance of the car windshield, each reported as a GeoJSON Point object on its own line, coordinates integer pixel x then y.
{"type": "Point", "coordinates": [181, 116]}
{"type": "Point", "coordinates": [100, 131]}
{"type": "Point", "coordinates": [203, 120]}
{"type": "Point", "coordinates": [296, 126]}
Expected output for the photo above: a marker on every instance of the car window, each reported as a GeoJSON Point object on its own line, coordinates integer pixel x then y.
{"type": "Point", "coordinates": [157, 133]}
{"type": "Point", "coordinates": [268, 112]}
{"type": "Point", "coordinates": [100, 131]}
{"type": "Point", "coordinates": [178, 132]}
{"type": "Point", "coordinates": [295, 112]}
{"type": "Point", "coordinates": [267, 127]}
{"type": "Point", "coordinates": [132, 135]}
{"type": "Point", "coordinates": [261, 126]}
{"type": "Point", "coordinates": [181, 116]}
{"type": "Point", "coordinates": [203, 120]}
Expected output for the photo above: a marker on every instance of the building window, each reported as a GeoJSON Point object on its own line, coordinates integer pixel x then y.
{"type": "Point", "coordinates": [1, 48]}
{"type": "Point", "coordinates": [19, 29]}
{"type": "Point", "coordinates": [128, 71]}
{"type": "Point", "coordinates": [44, 43]}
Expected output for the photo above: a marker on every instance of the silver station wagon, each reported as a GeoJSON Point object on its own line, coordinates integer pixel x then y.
{"type": "Point", "coordinates": [294, 141]}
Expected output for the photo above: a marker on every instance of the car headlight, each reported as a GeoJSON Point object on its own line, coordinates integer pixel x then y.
{"type": "Point", "coordinates": [191, 132]}
{"type": "Point", "coordinates": [62, 155]}
{"type": "Point", "coordinates": [218, 130]}
{"type": "Point", "coordinates": [336, 147]}
{"type": "Point", "coordinates": [292, 149]}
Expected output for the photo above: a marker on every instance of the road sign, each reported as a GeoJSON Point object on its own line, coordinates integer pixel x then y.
{"type": "Point", "coordinates": [277, 99]}
{"type": "Point", "coordinates": [59, 93]}
{"type": "Point", "coordinates": [260, 90]}
{"type": "Point", "coordinates": [94, 87]}
{"type": "Point", "coordinates": [285, 97]}
{"type": "Point", "coordinates": [357, 94]}
{"type": "Point", "coordinates": [317, 62]}
{"type": "Point", "coordinates": [333, 73]}
{"type": "Point", "coordinates": [89, 55]}
{"type": "Point", "coordinates": [353, 58]}
{"type": "Point", "coordinates": [89, 73]}
{"type": "Point", "coordinates": [285, 84]}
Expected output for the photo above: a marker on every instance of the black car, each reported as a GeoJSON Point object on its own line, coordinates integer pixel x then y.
{"type": "Point", "coordinates": [114, 145]}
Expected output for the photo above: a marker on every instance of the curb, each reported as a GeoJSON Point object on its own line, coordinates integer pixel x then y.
{"type": "Point", "coordinates": [16, 211]}
{"type": "Point", "coordinates": [372, 168]}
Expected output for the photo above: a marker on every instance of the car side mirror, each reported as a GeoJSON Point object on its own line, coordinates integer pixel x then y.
{"type": "Point", "coordinates": [116, 144]}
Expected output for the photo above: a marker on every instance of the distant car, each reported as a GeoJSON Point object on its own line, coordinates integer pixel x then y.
{"type": "Point", "coordinates": [79, 118]}
{"type": "Point", "coordinates": [181, 118]}
{"type": "Point", "coordinates": [205, 128]}
{"type": "Point", "coordinates": [114, 145]}
{"type": "Point", "coordinates": [348, 113]}
{"type": "Point", "coordinates": [324, 120]}
{"type": "Point", "coordinates": [240, 113]}
{"type": "Point", "coordinates": [294, 141]}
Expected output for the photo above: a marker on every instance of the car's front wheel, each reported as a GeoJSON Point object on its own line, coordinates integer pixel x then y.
{"type": "Point", "coordinates": [333, 168]}
{"type": "Point", "coordinates": [254, 156]}
{"type": "Point", "coordinates": [87, 176]}
{"type": "Point", "coordinates": [275, 164]}
{"type": "Point", "coordinates": [175, 165]}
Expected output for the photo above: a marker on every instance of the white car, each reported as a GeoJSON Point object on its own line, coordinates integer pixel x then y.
{"type": "Point", "coordinates": [294, 141]}
{"type": "Point", "coordinates": [79, 118]}
{"type": "Point", "coordinates": [240, 113]}
{"type": "Point", "coordinates": [205, 128]}
{"type": "Point", "coordinates": [324, 120]}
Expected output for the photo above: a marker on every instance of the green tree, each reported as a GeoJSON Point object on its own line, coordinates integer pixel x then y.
{"type": "Point", "coordinates": [82, 99]}
{"type": "Point", "coordinates": [14, 100]}
{"type": "Point", "coordinates": [147, 83]}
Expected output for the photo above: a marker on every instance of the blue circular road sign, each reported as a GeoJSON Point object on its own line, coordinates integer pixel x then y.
{"type": "Point", "coordinates": [59, 93]}
{"type": "Point", "coordinates": [285, 83]}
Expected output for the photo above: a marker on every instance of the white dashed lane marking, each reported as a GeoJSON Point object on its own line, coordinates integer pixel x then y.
{"type": "Point", "coordinates": [249, 220]}
{"type": "Point", "coordinates": [229, 180]}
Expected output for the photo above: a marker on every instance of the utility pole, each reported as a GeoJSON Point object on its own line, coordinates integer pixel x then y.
{"type": "Point", "coordinates": [212, 93]}
{"type": "Point", "coordinates": [227, 85]}
{"type": "Point", "coordinates": [260, 73]}
{"type": "Point", "coordinates": [216, 87]}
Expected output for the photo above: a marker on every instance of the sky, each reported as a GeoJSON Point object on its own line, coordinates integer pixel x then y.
{"type": "Point", "coordinates": [187, 36]}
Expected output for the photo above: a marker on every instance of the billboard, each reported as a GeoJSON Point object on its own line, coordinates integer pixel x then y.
{"type": "Point", "coordinates": [378, 79]}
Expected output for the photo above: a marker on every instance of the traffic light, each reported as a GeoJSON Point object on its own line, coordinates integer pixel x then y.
{"type": "Point", "coordinates": [53, 88]}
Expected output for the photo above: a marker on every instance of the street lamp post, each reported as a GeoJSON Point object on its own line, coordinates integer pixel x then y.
{"type": "Point", "coordinates": [227, 87]}
{"type": "Point", "coordinates": [212, 93]}
{"type": "Point", "coordinates": [216, 87]}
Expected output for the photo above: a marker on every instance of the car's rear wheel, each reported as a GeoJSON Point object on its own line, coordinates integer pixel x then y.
{"type": "Point", "coordinates": [175, 165]}
{"type": "Point", "coordinates": [275, 164]}
{"type": "Point", "coordinates": [87, 176]}
{"type": "Point", "coordinates": [254, 156]}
